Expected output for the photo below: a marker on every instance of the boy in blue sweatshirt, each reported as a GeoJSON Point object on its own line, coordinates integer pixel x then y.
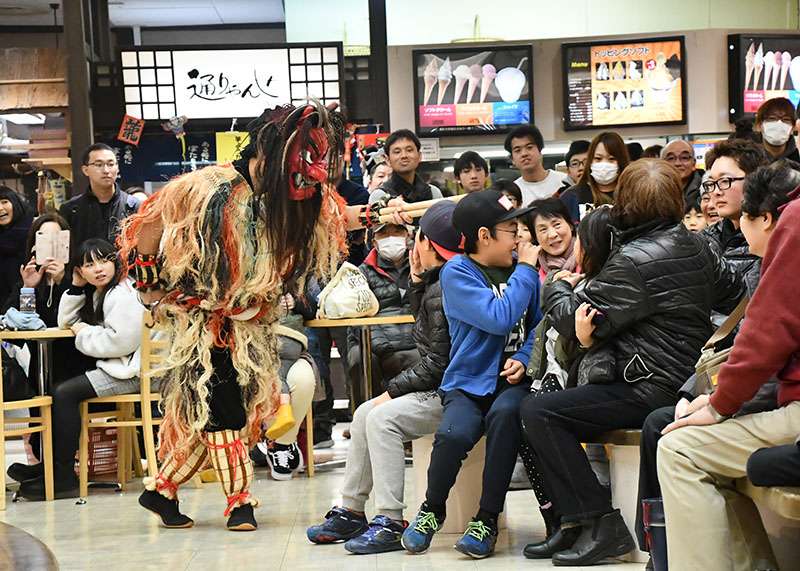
{"type": "Point", "coordinates": [492, 304]}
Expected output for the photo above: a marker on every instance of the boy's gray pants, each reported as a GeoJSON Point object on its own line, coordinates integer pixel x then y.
{"type": "Point", "coordinates": [375, 457]}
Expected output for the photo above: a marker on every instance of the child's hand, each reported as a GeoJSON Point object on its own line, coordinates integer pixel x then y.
{"type": "Point", "coordinates": [513, 371]}
{"type": "Point", "coordinates": [569, 277]}
{"type": "Point", "coordinates": [78, 327]}
{"type": "Point", "coordinates": [527, 253]}
{"type": "Point", "coordinates": [77, 278]}
{"type": "Point", "coordinates": [583, 324]}
{"type": "Point", "coordinates": [415, 264]}
{"type": "Point", "coordinates": [381, 398]}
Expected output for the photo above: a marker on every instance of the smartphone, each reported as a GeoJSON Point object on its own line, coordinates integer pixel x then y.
{"type": "Point", "coordinates": [52, 245]}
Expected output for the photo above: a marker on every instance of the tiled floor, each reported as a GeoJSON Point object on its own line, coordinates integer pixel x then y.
{"type": "Point", "coordinates": [111, 531]}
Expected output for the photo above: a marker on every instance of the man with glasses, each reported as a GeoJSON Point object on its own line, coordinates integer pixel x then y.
{"type": "Point", "coordinates": [576, 162]}
{"type": "Point", "coordinates": [730, 162]}
{"type": "Point", "coordinates": [680, 154]}
{"type": "Point", "coordinates": [97, 212]}
{"type": "Point", "coordinates": [775, 120]}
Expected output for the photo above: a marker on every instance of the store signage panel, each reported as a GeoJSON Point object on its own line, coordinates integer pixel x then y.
{"type": "Point", "coordinates": [761, 67]}
{"type": "Point", "coordinates": [461, 91]}
{"type": "Point", "coordinates": [624, 84]}
{"type": "Point", "coordinates": [160, 83]}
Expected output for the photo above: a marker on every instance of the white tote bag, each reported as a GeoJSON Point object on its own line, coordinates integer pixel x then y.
{"type": "Point", "coordinates": [347, 295]}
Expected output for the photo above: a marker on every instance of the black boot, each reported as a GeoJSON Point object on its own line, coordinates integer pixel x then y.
{"type": "Point", "coordinates": [242, 519]}
{"type": "Point", "coordinates": [24, 472]}
{"type": "Point", "coordinates": [168, 510]}
{"type": "Point", "coordinates": [550, 521]}
{"type": "Point", "coordinates": [562, 539]}
{"type": "Point", "coordinates": [603, 536]}
{"type": "Point", "coordinates": [65, 484]}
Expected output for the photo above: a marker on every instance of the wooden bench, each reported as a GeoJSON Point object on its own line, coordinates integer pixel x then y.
{"type": "Point", "coordinates": [783, 501]}
{"type": "Point", "coordinates": [623, 459]}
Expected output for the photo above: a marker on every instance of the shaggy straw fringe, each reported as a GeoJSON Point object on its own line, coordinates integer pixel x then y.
{"type": "Point", "coordinates": [212, 249]}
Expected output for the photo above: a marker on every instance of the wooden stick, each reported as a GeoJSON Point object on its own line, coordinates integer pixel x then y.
{"type": "Point", "coordinates": [411, 206]}
{"type": "Point", "coordinates": [384, 218]}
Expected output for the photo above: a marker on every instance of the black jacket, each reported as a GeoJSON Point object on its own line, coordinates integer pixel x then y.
{"type": "Point", "coordinates": [656, 293]}
{"type": "Point", "coordinates": [730, 243]}
{"type": "Point", "coordinates": [397, 185]}
{"type": "Point", "coordinates": [691, 191]}
{"type": "Point", "coordinates": [13, 240]}
{"type": "Point", "coordinates": [390, 286]}
{"type": "Point", "coordinates": [431, 334]}
{"type": "Point", "coordinates": [84, 215]}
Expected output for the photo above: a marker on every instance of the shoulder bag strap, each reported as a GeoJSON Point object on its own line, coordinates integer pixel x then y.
{"type": "Point", "coordinates": [729, 324]}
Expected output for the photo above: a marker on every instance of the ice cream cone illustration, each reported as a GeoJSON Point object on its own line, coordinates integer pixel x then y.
{"type": "Point", "coordinates": [769, 64]}
{"type": "Point", "coordinates": [776, 70]}
{"type": "Point", "coordinates": [618, 72]}
{"type": "Point", "coordinates": [786, 58]}
{"type": "Point", "coordinates": [475, 76]}
{"type": "Point", "coordinates": [445, 75]}
{"type": "Point", "coordinates": [660, 80]}
{"type": "Point", "coordinates": [430, 75]}
{"type": "Point", "coordinates": [794, 72]}
{"type": "Point", "coordinates": [748, 65]}
{"type": "Point", "coordinates": [462, 75]}
{"type": "Point", "coordinates": [758, 65]}
{"type": "Point", "coordinates": [489, 73]}
{"type": "Point", "coordinates": [633, 71]}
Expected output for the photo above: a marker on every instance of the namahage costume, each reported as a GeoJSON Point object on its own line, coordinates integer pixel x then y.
{"type": "Point", "coordinates": [221, 263]}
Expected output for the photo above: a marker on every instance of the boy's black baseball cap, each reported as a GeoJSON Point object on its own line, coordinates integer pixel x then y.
{"type": "Point", "coordinates": [484, 208]}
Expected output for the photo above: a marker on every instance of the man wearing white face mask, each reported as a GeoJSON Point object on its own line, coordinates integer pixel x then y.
{"type": "Point", "coordinates": [386, 269]}
{"type": "Point", "coordinates": [775, 120]}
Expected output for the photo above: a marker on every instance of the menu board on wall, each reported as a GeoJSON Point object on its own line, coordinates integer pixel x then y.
{"type": "Point", "coordinates": [237, 82]}
{"type": "Point", "coordinates": [761, 67]}
{"type": "Point", "coordinates": [624, 84]}
{"type": "Point", "coordinates": [472, 91]}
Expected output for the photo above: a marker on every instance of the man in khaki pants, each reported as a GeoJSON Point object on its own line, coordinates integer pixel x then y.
{"type": "Point", "coordinates": [709, 524]}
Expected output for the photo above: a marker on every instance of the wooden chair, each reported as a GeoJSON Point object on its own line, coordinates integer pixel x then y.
{"type": "Point", "coordinates": [43, 425]}
{"type": "Point", "coordinates": [124, 418]}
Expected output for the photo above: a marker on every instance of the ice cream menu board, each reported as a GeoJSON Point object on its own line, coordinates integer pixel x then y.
{"type": "Point", "coordinates": [637, 82]}
{"type": "Point", "coordinates": [476, 90]}
{"type": "Point", "coordinates": [759, 68]}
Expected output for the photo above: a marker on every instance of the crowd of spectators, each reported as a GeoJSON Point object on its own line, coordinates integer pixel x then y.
{"type": "Point", "coordinates": [547, 309]}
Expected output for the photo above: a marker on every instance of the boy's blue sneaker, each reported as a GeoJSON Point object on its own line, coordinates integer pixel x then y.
{"type": "Point", "coordinates": [417, 536]}
{"type": "Point", "coordinates": [340, 525]}
{"type": "Point", "coordinates": [478, 541]}
{"type": "Point", "coordinates": [382, 536]}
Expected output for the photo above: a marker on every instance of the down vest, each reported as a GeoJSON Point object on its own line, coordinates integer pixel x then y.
{"type": "Point", "coordinates": [655, 293]}
{"type": "Point", "coordinates": [431, 334]}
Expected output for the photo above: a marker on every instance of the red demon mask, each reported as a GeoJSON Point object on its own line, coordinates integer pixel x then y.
{"type": "Point", "coordinates": [307, 162]}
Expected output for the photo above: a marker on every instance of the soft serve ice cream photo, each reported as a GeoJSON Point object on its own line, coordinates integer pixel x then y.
{"type": "Point", "coordinates": [462, 90]}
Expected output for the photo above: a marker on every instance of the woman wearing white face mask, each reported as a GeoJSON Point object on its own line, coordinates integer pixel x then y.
{"type": "Point", "coordinates": [775, 120]}
{"type": "Point", "coordinates": [607, 158]}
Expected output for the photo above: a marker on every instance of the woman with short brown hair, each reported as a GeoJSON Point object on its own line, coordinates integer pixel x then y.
{"type": "Point", "coordinates": [643, 319]}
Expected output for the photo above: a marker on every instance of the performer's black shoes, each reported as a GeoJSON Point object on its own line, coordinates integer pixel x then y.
{"type": "Point", "coordinates": [242, 519]}
{"type": "Point", "coordinates": [165, 508]}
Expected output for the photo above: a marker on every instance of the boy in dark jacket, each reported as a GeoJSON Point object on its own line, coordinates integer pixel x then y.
{"type": "Point", "coordinates": [491, 305]}
{"type": "Point", "coordinates": [409, 409]}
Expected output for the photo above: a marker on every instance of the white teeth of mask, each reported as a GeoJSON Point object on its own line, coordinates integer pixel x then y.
{"type": "Point", "coordinates": [604, 172]}
{"type": "Point", "coordinates": [776, 132]}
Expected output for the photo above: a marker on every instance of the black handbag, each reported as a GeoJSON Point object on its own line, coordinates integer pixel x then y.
{"type": "Point", "coordinates": [598, 366]}
{"type": "Point", "coordinates": [16, 385]}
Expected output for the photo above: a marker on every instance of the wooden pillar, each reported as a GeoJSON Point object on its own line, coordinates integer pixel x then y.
{"type": "Point", "coordinates": [80, 114]}
{"type": "Point", "coordinates": [102, 31]}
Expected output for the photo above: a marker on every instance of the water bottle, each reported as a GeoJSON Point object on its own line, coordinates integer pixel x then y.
{"type": "Point", "coordinates": [27, 299]}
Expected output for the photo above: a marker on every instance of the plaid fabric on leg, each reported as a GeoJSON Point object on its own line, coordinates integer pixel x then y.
{"type": "Point", "coordinates": [233, 467]}
{"type": "Point", "coordinates": [173, 474]}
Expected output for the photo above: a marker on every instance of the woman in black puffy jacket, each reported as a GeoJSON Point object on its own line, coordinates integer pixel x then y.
{"type": "Point", "coordinates": [649, 314]}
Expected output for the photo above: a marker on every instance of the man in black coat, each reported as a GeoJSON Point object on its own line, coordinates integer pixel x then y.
{"type": "Point", "coordinates": [97, 212]}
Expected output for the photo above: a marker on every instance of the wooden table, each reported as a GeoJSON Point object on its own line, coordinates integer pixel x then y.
{"type": "Point", "coordinates": [363, 392]}
{"type": "Point", "coordinates": [44, 341]}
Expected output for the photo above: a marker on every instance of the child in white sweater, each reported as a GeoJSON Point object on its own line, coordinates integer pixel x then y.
{"type": "Point", "coordinates": [107, 329]}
